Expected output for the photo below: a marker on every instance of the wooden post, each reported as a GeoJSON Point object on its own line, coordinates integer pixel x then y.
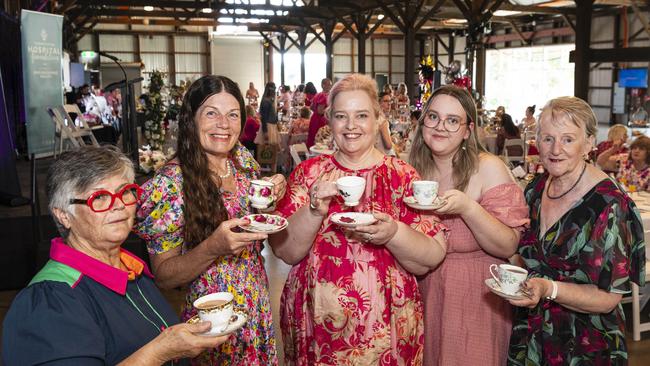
{"type": "Point", "coordinates": [302, 40]}
{"type": "Point", "coordinates": [583, 37]}
{"type": "Point", "coordinates": [409, 65]}
{"type": "Point", "coordinates": [282, 39]}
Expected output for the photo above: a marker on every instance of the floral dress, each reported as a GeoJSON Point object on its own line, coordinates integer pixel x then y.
{"type": "Point", "coordinates": [349, 302]}
{"type": "Point", "coordinates": [598, 242]}
{"type": "Point", "coordinates": [160, 223]}
{"type": "Point", "coordinates": [629, 176]}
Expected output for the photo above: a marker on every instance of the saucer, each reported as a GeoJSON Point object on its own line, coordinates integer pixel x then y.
{"type": "Point", "coordinates": [265, 223]}
{"type": "Point", "coordinates": [495, 288]}
{"type": "Point", "coordinates": [237, 321]}
{"type": "Point", "coordinates": [413, 203]}
{"type": "Point", "coordinates": [352, 219]}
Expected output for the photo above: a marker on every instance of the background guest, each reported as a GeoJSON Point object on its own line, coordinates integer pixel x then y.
{"type": "Point", "coordinates": [310, 92]}
{"type": "Point", "coordinates": [583, 248]}
{"type": "Point", "coordinates": [318, 106]}
{"type": "Point", "coordinates": [269, 116]}
{"type": "Point", "coordinates": [191, 208]}
{"type": "Point", "coordinates": [633, 171]}
{"type": "Point", "coordinates": [252, 126]}
{"type": "Point", "coordinates": [528, 123]}
{"type": "Point", "coordinates": [301, 124]}
{"type": "Point", "coordinates": [616, 135]}
{"type": "Point", "coordinates": [351, 296]}
{"type": "Point", "coordinates": [252, 95]}
{"type": "Point", "coordinates": [508, 131]}
{"type": "Point", "coordinates": [93, 302]}
{"type": "Point", "coordinates": [485, 210]}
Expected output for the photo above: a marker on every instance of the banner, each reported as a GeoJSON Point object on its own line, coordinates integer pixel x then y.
{"type": "Point", "coordinates": [42, 78]}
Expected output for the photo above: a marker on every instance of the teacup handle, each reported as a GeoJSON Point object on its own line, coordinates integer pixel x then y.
{"type": "Point", "coordinates": [496, 278]}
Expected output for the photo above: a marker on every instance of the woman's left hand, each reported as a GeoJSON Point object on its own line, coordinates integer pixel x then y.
{"type": "Point", "coordinates": [536, 289]}
{"type": "Point", "coordinates": [456, 202]}
{"type": "Point", "coordinates": [379, 233]}
{"type": "Point", "coordinates": [279, 185]}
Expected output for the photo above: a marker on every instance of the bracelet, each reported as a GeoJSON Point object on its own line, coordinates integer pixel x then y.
{"type": "Point", "coordinates": [554, 292]}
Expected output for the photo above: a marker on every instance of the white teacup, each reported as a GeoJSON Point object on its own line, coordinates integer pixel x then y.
{"type": "Point", "coordinates": [217, 308]}
{"type": "Point", "coordinates": [425, 191]}
{"type": "Point", "coordinates": [351, 188]}
{"type": "Point", "coordinates": [509, 277]}
{"type": "Point", "coordinates": [261, 193]}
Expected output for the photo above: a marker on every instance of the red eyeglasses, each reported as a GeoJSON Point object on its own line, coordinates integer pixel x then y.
{"type": "Point", "coordinates": [103, 200]}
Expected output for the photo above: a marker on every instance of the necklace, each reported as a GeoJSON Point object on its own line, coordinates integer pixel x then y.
{"type": "Point", "coordinates": [228, 171]}
{"type": "Point", "coordinates": [570, 189]}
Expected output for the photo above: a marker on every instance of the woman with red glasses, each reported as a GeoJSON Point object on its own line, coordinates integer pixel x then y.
{"type": "Point", "coordinates": [94, 303]}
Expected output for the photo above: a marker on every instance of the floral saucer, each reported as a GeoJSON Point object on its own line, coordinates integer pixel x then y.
{"type": "Point", "coordinates": [237, 321]}
{"type": "Point", "coordinates": [352, 219]}
{"type": "Point", "coordinates": [413, 203]}
{"type": "Point", "coordinates": [265, 223]}
{"type": "Point", "coordinates": [495, 288]}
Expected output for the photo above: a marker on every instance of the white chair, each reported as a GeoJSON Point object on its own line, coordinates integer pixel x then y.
{"type": "Point", "coordinates": [295, 150]}
{"type": "Point", "coordinates": [62, 132]}
{"type": "Point", "coordinates": [639, 301]}
{"type": "Point", "coordinates": [73, 108]}
{"type": "Point", "coordinates": [77, 133]}
{"type": "Point", "coordinates": [514, 143]}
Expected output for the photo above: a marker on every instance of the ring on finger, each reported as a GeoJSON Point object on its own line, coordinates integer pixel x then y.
{"type": "Point", "coordinates": [369, 237]}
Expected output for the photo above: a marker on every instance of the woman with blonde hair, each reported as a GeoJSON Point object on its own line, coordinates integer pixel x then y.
{"type": "Point", "coordinates": [633, 169]}
{"type": "Point", "coordinates": [351, 296]}
{"type": "Point", "coordinates": [616, 138]}
{"type": "Point", "coordinates": [484, 210]}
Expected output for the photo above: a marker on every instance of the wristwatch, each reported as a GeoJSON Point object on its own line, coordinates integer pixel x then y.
{"type": "Point", "coordinates": [553, 292]}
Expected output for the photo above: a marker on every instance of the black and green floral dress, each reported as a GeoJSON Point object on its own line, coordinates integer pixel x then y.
{"type": "Point", "coordinates": [599, 242]}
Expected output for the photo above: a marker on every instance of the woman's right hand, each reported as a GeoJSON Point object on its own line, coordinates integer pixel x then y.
{"type": "Point", "coordinates": [224, 241]}
{"type": "Point", "coordinates": [321, 192]}
{"type": "Point", "coordinates": [183, 341]}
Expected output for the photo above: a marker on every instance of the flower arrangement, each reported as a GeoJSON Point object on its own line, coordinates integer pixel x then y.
{"type": "Point", "coordinates": [151, 160]}
{"type": "Point", "coordinates": [154, 113]}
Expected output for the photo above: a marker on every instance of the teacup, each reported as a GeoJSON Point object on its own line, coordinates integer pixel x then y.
{"type": "Point", "coordinates": [508, 277]}
{"type": "Point", "coordinates": [261, 193]}
{"type": "Point", "coordinates": [217, 308]}
{"type": "Point", "coordinates": [425, 191]}
{"type": "Point", "coordinates": [351, 189]}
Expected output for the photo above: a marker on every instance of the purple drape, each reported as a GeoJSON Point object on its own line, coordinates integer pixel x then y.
{"type": "Point", "coordinates": [12, 77]}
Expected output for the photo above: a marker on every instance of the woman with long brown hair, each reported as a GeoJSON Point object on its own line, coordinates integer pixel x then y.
{"type": "Point", "coordinates": [190, 209]}
{"type": "Point", "coordinates": [484, 209]}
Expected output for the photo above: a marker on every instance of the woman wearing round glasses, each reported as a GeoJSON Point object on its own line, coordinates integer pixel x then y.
{"type": "Point", "coordinates": [484, 210]}
{"type": "Point", "coordinates": [93, 302]}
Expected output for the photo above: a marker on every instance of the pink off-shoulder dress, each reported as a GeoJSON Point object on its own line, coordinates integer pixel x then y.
{"type": "Point", "coordinates": [464, 323]}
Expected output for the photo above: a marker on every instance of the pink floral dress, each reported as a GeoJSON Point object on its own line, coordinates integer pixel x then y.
{"type": "Point", "coordinates": [628, 175]}
{"type": "Point", "coordinates": [160, 223]}
{"type": "Point", "coordinates": [348, 302]}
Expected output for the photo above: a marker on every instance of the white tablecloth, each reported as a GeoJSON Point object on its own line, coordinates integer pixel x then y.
{"type": "Point", "coordinates": [643, 203]}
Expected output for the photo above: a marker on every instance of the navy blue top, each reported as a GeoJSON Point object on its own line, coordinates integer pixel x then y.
{"type": "Point", "coordinates": [76, 311]}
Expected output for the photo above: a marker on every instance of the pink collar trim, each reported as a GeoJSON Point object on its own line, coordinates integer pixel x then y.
{"type": "Point", "coordinates": [111, 277]}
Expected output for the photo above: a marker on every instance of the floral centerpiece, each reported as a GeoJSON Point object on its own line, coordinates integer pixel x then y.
{"type": "Point", "coordinates": [151, 160]}
{"type": "Point", "coordinates": [154, 113]}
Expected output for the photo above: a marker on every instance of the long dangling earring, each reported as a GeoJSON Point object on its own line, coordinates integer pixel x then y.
{"type": "Point", "coordinates": [464, 146]}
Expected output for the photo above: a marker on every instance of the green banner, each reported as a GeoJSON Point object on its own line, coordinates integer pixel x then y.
{"type": "Point", "coordinates": [42, 76]}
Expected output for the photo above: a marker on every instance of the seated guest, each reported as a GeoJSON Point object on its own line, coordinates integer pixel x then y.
{"type": "Point", "coordinates": [508, 131]}
{"type": "Point", "coordinates": [301, 124]}
{"type": "Point", "coordinates": [94, 303]}
{"type": "Point", "coordinates": [252, 125]}
{"type": "Point", "coordinates": [582, 250]}
{"type": "Point", "coordinates": [633, 171]}
{"type": "Point", "coordinates": [616, 135]}
{"type": "Point", "coordinates": [528, 123]}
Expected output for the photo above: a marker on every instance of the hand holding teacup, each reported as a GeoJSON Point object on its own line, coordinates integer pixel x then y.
{"type": "Point", "coordinates": [322, 192]}
{"type": "Point", "coordinates": [508, 277]}
{"type": "Point", "coordinates": [216, 308]}
{"type": "Point", "coordinates": [535, 289]}
{"type": "Point", "coordinates": [378, 233]}
{"type": "Point", "coordinates": [264, 192]}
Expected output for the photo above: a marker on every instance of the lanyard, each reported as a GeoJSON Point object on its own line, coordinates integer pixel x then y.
{"type": "Point", "coordinates": [161, 328]}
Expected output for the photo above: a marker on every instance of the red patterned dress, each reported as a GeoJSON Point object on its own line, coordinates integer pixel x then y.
{"type": "Point", "coordinates": [348, 302]}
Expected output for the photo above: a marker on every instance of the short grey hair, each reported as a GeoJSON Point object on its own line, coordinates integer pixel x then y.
{"type": "Point", "coordinates": [77, 170]}
{"type": "Point", "coordinates": [576, 109]}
